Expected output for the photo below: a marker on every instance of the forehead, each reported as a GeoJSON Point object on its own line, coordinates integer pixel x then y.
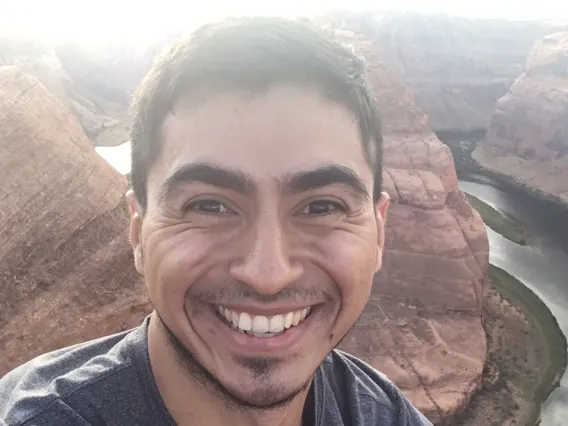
{"type": "Point", "coordinates": [284, 130]}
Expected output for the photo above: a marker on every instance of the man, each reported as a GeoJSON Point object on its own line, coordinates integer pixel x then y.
{"type": "Point", "coordinates": [257, 221]}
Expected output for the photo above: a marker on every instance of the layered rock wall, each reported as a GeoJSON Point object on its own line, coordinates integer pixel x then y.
{"type": "Point", "coordinates": [527, 140]}
{"type": "Point", "coordinates": [66, 269]}
{"type": "Point", "coordinates": [457, 67]}
{"type": "Point", "coordinates": [423, 325]}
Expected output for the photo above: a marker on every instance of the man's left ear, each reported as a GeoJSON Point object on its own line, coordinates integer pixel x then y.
{"type": "Point", "coordinates": [135, 231]}
{"type": "Point", "coordinates": [381, 209]}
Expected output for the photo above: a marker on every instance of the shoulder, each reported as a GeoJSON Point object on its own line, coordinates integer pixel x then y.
{"type": "Point", "coordinates": [367, 393]}
{"type": "Point", "coordinates": [46, 385]}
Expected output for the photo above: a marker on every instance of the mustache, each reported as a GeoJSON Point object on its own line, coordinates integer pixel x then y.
{"type": "Point", "coordinates": [238, 291]}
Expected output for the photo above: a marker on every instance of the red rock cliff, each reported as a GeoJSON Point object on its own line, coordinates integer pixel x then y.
{"type": "Point", "coordinates": [423, 325]}
{"type": "Point", "coordinates": [66, 270]}
{"type": "Point", "coordinates": [527, 138]}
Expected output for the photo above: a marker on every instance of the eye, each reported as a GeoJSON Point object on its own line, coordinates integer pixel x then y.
{"type": "Point", "coordinates": [322, 208]}
{"type": "Point", "coordinates": [208, 207]}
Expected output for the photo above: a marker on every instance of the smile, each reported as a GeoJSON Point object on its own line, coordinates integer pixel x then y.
{"type": "Point", "coordinates": [260, 325]}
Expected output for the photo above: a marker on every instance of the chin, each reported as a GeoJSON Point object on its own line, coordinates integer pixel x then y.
{"type": "Point", "coordinates": [253, 382]}
{"type": "Point", "coordinates": [266, 392]}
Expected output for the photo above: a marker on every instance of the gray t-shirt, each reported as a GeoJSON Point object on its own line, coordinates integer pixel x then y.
{"type": "Point", "coordinates": [109, 382]}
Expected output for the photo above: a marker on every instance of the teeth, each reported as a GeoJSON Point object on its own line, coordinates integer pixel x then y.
{"type": "Point", "coordinates": [228, 315]}
{"type": "Point", "coordinates": [276, 324]}
{"type": "Point", "coordinates": [245, 322]}
{"type": "Point", "coordinates": [234, 318]}
{"type": "Point", "coordinates": [260, 325]}
{"type": "Point", "coordinates": [296, 319]}
{"type": "Point", "coordinates": [288, 320]}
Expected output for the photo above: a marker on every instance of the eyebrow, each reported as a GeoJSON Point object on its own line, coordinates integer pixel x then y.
{"type": "Point", "coordinates": [325, 176]}
{"type": "Point", "coordinates": [243, 183]}
{"type": "Point", "coordinates": [209, 174]}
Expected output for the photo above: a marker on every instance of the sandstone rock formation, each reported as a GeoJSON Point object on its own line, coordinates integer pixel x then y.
{"type": "Point", "coordinates": [66, 270]}
{"type": "Point", "coordinates": [527, 138]}
{"type": "Point", "coordinates": [423, 325]}
{"type": "Point", "coordinates": [92, 110]}
{"type": "Point", "coordinates": [457, 67]}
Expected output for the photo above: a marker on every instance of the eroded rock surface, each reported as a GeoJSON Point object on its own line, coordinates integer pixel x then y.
{"type": "Point", "coordinates": [527, 138]}
{"type": "Point", "coordinates": [66, 269]}
{"type": "Point", "coordinates": [423, 325]}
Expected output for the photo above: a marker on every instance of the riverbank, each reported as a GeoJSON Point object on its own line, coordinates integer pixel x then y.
{"type": "Point", "coordinates": [485, 164]}
{"type": "Point", "coordinates": [525, 355]}
{"type": "Point", "coordinates": [462, 145]}
{"type": "Point", "coordinates": [497, 221]}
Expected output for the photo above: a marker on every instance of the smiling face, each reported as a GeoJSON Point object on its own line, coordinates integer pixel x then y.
{"type": "Point", "coordinates": [261, 238]}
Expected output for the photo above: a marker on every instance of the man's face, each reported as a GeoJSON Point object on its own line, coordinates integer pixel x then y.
{"type": "Point", "coordinates": [260, 239]}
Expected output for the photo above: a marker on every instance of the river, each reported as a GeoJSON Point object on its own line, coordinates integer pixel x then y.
{"type": "Point", "coordinates": [118, 156]}
{"type": "Point", "coordinates": [542, 265]}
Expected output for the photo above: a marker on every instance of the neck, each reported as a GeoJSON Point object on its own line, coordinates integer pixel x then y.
{"type": "Point", "coordinates": [191, 398]}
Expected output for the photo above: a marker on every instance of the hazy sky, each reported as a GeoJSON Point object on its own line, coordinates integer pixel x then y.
{"type": "Point", "coordinates": [135, 19]}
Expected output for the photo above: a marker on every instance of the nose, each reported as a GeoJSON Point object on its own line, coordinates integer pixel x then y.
{"type": "Point", "coordinates": [266, 263]}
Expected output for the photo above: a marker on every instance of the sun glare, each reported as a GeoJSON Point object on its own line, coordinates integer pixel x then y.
{"type": "Point", "coordinates": [130, 20]}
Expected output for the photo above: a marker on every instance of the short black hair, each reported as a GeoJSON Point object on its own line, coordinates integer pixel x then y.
{"type": "Point", "coordinates": [251, 54]}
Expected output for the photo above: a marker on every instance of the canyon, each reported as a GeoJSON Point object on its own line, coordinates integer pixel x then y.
{"type": "Point", "coordinates": [527, 139]}
{"type": "Point", "coordinates": [456, 76]}
{"type": "Point", "coordinates": [457, 68]}
{"type": "Point", "coordinates": [66, 249]}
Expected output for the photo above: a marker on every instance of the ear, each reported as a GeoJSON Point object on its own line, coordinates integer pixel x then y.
{"type": "Point", "coordinates": [135, 231]}
{"type": "Point", "coordinates": [381, 209]}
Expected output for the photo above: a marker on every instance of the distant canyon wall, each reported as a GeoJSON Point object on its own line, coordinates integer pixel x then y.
{"type": "Point", "coordinates": [94, 112]}
{"type": "Point", "coordinates": [527, 140]}
{"type": "Point", "coordinates": [457, 67]}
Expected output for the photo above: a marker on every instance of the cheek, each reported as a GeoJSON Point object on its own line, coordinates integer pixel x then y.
{"type": "Point", "coordinates": [174, 260]}
{"type": "Point", "coordinates": [350, 260]}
